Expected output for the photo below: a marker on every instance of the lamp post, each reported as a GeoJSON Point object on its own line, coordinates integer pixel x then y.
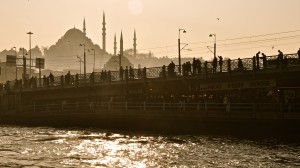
{"type": "Point", "coordinates": [179, 49]}
{"type": "Point", "coordinates": [215, 44]}
{"type": "Point", "coordinates": [16, 62]}
{"type": "Point", "coordinates": [29, 33]}
{"type": "Point", "coordinates": [94, 60]}
{"type": "Point", "coordinates": [80, 61]}
{"type": "Point", "coordinates": [84, 61]}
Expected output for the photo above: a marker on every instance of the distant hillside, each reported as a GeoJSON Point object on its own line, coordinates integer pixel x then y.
{"type": "Point", "coordinates": [35, 53]}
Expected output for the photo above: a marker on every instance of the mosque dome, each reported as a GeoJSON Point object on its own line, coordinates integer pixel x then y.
{"type": "Point", "coordinates": [65, 52]}
{"type": "Point", "coordinates": [113, 63]}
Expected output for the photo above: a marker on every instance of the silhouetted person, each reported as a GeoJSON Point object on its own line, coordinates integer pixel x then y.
{"type": "Point", "coordinates": [35, 82]}
{"type": "Point", "coordinates": [205, 68]}
{"type": "Point", "coordinates": [163, 72]}
{"type": "Point", "coordinates": [264, 57]}
{"type": "Point", "coordinates": [92, 78]}
{"type": "Point", "coordinates": [279, 59]}
{"type": "Point", "coordinates": [171, 69]}
{"type": "Point", "coordinates": [109, 76]}
{"type": "Point", "coordinates": [45, 80]}
{"type": "Point", "coordinates": [67, 78]}
{"type": "Point", "coordinates": [199, 66]}
{"type": "Point", "coordinates": [188, 67]}
{"type": "Point", "coordinates": [126, 73]}
{"type": "Point", "coordinates": [131, 74]}
{"type": "Point", "coordinates": [194, 64]}
{"type": "Point", "coordinates": [51, 77]}
{"type": "Point", "coordinates": [220, 62]}
{"type": "Point", "coordinates": [121, 72]}
{"type": "Point", "coordinates": [298, 56]}
{"type": "Point", "coordinates": [144, 73]}
{"type": "Point", "coordinates": [285, 62]}
{"type": "Point", "coordinates": [102, 75]}
{"type": "Point", "coordinates": [184, 69]}
{"type": "Point", "coordinates": [214, 64]}
{"type": "Point", "coordinates": [257, 59]}
{"type": "Point", "coordinates": [16, 86]}
{"type": "Point", "coordinates": [140, 73]}
{"type": "Point", "coordinates": [240, 65]}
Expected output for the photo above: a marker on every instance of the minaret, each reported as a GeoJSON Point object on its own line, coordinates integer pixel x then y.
{"type": "Point", "coordinates": [103, 33]}
{"type": "Point", "coordinates": [134, 45]}
{"type": "Point", "coordinates": [115, 45]}
{"type": "Point", "coordinates": [84, 29]}
{"type": "Point", "coordinates": [121, 49]}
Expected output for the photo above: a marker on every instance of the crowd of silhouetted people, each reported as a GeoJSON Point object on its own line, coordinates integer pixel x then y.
{"type": "Point", "coordinates": [258, 62]}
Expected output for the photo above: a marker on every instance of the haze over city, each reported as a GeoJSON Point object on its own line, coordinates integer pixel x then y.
{"type": "Point", "coordinates": [157, 24]}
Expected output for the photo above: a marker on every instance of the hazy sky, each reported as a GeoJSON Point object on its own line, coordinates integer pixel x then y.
{"type": "Point", "coordinates": [157, 23]}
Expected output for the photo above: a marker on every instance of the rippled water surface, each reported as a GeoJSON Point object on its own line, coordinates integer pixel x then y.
{"type": "Point", "coordinates": [75, 147]}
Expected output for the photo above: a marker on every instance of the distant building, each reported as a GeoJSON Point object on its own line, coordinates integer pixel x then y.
{"type": "Point", "coordinates": [67, 52]}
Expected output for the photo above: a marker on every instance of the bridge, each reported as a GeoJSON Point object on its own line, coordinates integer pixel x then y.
{"type": "Point", "coordinates": [262, 94]}
{"type": "Point", "coordinates": [269, 64]}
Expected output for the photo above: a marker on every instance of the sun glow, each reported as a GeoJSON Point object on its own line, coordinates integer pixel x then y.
{"type": "Point", "coordinates": [136, 7]}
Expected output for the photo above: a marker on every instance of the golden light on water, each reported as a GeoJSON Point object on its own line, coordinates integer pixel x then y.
{"type": "Point", "coordinates": [50, 147]}
{"type": "Point", "coordinates": [101, 151]}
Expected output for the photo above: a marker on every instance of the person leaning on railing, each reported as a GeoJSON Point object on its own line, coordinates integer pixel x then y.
{"type": "Point", "coordinates": [240, 65]}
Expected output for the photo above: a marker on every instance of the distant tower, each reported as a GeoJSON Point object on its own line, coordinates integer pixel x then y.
{"type": "Point", "coordinates": [134, 45]}
{"type": "Point", "coordinates": [84, 29]}
{"type": "Point", "coordinates": [121, 49]}
{"type": "Point", "coordinates": [115, 45]}
{"type": "Point", "coordinates": [103, 33]}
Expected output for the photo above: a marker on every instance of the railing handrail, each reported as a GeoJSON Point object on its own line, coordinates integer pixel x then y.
{"type": "Point", "coordinates": [97, 78]}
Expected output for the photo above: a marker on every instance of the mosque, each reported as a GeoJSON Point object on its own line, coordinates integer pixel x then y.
{"type": "Point", "coordinates": [68, 52]}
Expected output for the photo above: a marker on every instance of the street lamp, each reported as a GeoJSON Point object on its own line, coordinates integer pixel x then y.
{"type": "Point", "coordinates": [84, 61]}
{"type": "Point", "coordinates": [94, 60]}
{"type": "Point", "coordinates": [29, 33]}
{"type": "Point", "coordinates": [80, 61]}
{"type": "Point", "coordinates": [179, 49]}
{"type": "Point", "coordinates": [215, 44]}
{"type": "Point", "coordinates": [16, 62]}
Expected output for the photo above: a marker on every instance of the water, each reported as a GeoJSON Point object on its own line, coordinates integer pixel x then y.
{"type": "Point", "coordinates": [78, 147]}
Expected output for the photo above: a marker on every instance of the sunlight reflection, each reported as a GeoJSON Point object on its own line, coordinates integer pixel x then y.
{"type": "Point", "coordinates": [111, 151]}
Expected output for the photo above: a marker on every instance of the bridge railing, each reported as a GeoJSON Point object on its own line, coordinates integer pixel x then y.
{"type": "Point", "coordinates": [242, 110]}
{"type": "Point", "coordinates": [269, 62]}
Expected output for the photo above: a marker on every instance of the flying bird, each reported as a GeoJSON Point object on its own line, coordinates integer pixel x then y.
{"type": "Point", "coordinates": [218, 19]}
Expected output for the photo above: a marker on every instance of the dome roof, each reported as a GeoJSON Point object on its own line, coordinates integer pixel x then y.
{"type": "Point", "coordinates": [113, 63]}
{"type": "Point", "coordinates": [63, 54]}
{"type": "Point", "coordinates": [74, 33]}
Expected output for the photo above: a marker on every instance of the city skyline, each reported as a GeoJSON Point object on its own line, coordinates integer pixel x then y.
{"type": "Point", "coordinates": [157, 24]}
